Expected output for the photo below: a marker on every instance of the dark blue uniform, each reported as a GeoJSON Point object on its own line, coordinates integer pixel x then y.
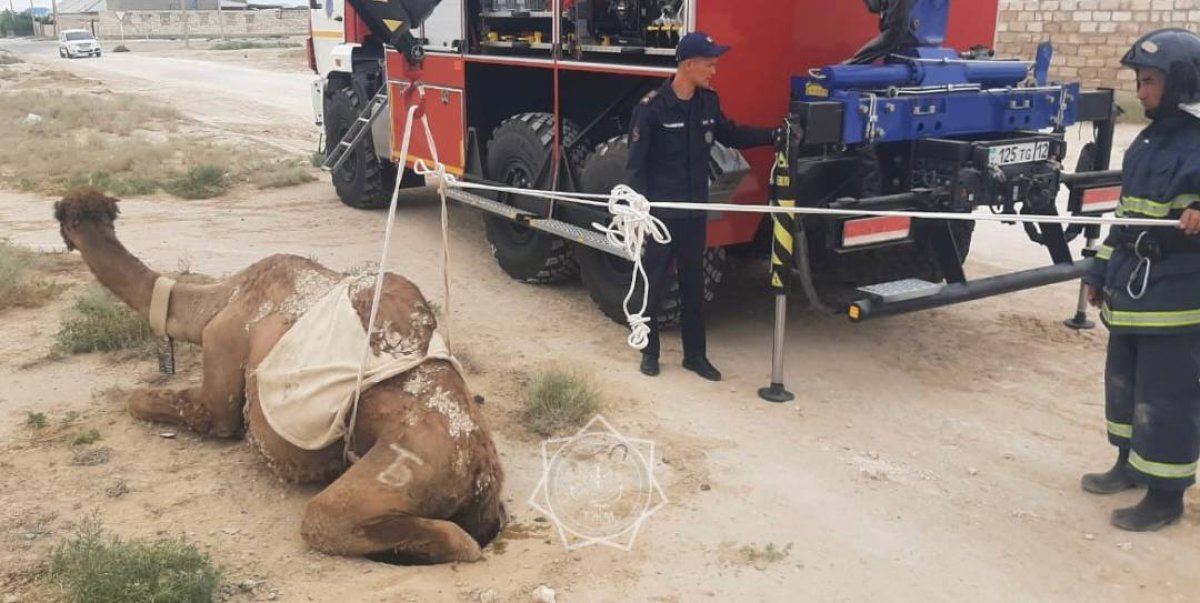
{"type": "Point", "coordinates": [669, 145]}
{"type": "Point", "coordinates": [1152, 308]}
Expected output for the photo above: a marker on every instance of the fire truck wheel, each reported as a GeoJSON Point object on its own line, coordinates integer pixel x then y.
{"type": "Point", "coordinates": [363, 181]}
{"type": "Point", "coordinates": [515, 156]}
{"type": "Point", "coordinates": [607, 276]}
{"type": "Point", "coordinates": [607, 279]}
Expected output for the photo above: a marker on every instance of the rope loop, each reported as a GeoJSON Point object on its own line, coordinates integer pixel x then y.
{"type": "Point", "coordinates": [631, 224]}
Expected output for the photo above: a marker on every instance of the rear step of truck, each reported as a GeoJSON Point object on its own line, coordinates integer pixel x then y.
{"type": "Point", "coordinates": [357, 131]}
{"type": "Point", "coordinates": [902, 290]}
{"type": "Point", "coordinates": [911, 295]}
{"type": "Point", "coordinates": [564, 230]}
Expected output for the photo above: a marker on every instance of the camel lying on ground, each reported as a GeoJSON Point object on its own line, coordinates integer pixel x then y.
{"type": "Point", "coordinates": [425, 487]}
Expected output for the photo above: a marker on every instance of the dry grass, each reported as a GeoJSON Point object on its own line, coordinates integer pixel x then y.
{"type": "Point", "coordinates": [250, 44]}
{"type": "Point", "coordinates": [282, 174]}
{"type": "Point", "coordinates": [20, 285]}
{"type": "Point", "coordinates": [124, 145]}
{"type": "Point", "coordinates": [757, 556]}
{"type": "Point", "coordinates": [558, 402]}
{"type": "Point", "coordinates": [86, 438]}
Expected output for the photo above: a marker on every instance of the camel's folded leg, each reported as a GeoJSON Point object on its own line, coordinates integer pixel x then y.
{"type": "Point", "coordinates": [368, 511]}
{"type": "Point", "coordinates": [213, 409]}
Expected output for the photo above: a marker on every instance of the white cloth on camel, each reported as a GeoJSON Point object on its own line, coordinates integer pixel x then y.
{"type": "Point", "coordinates": [306, 382]}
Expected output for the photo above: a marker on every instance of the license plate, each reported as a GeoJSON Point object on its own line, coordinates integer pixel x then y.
{"type": "Point", "coordinates": [1024, 152]}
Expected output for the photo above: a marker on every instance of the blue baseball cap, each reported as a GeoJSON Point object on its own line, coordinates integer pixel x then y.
{"type": "Point", "coordinates": [698, 45]}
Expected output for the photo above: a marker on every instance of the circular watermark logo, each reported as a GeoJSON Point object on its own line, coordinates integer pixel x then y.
{"type": "Point", "coordinates": [598, 486]}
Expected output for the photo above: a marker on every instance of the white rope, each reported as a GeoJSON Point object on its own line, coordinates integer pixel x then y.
{"type": "Point", "coordinates": [631, 223]}
{"type": "Point", "coordinates": [443, 187]}
{"type": "Point", "coordinates": [348, 451]}
{"type": "Point", "coordinates": [601, 200]}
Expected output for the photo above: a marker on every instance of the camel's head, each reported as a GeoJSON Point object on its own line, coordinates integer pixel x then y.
{"type": "Point", "coordinates": [84, 206]}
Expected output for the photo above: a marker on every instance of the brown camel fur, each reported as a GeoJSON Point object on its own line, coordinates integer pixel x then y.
{"type": "Point", "coordinates": [423, 490]}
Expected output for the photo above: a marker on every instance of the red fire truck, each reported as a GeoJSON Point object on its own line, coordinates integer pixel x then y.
{"type": "Point", "coordinates": [538, 93]}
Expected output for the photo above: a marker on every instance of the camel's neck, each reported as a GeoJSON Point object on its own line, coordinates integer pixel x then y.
{"type": "Point", "coordinates": [117, 269]}
{"type": "Point", "coordinates": [133, 283]}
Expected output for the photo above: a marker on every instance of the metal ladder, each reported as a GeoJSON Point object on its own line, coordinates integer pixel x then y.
{"type": "Point", "coordinates": [357, 131]}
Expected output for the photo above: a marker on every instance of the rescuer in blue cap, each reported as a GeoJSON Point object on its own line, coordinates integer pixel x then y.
{"type": "Point", "coordinates": [1147, 282]}
{"type": "Point", "coordinates": [670, 138]}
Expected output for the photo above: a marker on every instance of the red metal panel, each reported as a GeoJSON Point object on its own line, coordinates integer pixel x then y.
{"type": "Point", "coordinates": [973, 23]}
{"type": "Point", "coordinates": [442, 103]}
{"type": "Point", "coordinates": [437, 69]}
{"type": "Point", "coordinates": [356, 28]}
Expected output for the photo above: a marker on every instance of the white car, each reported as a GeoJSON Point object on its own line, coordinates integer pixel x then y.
{"type": "Point", "coordinates": [77, 43]}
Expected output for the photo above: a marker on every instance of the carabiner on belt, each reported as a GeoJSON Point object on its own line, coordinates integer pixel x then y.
{"type": "Point", "coordinates": [1143, 267]}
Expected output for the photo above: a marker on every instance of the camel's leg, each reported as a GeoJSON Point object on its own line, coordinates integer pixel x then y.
{"type": "Point", "coordinates": [215, 407]}
{"type": "Point", "coordinates": [373, 510]}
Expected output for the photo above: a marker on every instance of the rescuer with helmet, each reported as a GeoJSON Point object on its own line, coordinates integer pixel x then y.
{"type": "Point", "coordinates": [1147, 283]}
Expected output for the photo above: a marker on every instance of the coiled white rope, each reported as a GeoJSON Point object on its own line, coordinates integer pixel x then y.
{"type": "Point", "coordinates": [631, 224]}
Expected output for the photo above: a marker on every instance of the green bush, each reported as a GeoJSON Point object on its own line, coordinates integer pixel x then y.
{"type": "Point", "coordinates": [101, 323]}
{"type": "Point", "coordinates": [93, 567]}
{"type": "Point", "coordinates": [200, 182]}
{"type": "Point", "coordinates": [35, 420]}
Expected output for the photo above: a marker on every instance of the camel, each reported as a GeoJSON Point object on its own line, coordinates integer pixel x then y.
{"type": "Point", "coordinates": [424, 480]}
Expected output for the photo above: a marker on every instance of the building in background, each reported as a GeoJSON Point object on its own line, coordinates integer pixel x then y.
{"type": "Point", "coordinates": [1089, 36]}
{"type": "Point", "coordinates": [144, 19]}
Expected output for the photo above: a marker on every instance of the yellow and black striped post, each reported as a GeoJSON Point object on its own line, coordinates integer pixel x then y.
{"type": "Point", "coordinates": [783, 239]}
{"type": "Point", "coordinates": [783, 246]}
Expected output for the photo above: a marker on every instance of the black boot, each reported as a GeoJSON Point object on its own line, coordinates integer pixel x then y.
{"type": "Point", "coordinates": [1112, 481]}
{"type": "Point", "coordinates": [1157, 509]}
{"type": "Point", "coordinates": [701, 366]}
{"type": "Point", "coordinates": [649, 365]}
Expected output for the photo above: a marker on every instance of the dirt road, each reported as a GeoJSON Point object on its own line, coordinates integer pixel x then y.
{"type": "Point", "coordinates": [931, 457]}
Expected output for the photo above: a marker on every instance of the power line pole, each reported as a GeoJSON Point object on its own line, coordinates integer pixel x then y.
{"type": "Point", "coordinates": [220, 21]}
{"type": "Point", "coordinates": [54, 7]}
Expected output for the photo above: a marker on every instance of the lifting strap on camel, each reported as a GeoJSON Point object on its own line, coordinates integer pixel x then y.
{"type": "Point", "coordinates": [159, 301]}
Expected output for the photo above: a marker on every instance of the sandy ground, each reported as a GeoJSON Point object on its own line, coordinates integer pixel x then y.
{"type": "Point", "coordinates": [930, 457]}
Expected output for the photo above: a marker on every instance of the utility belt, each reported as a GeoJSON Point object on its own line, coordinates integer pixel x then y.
{"type": "Point", "coordinates": [1156, 244]}
{"type": "Point", "coordinates": [1149, 246]}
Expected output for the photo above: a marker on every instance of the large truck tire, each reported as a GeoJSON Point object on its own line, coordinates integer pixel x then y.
{"type": "Point", "coordinates": [607, 276]}
{"type": "Point", "coordinates": [364, 181]}
{"type": "Point", "coordinates": [515, 156]}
